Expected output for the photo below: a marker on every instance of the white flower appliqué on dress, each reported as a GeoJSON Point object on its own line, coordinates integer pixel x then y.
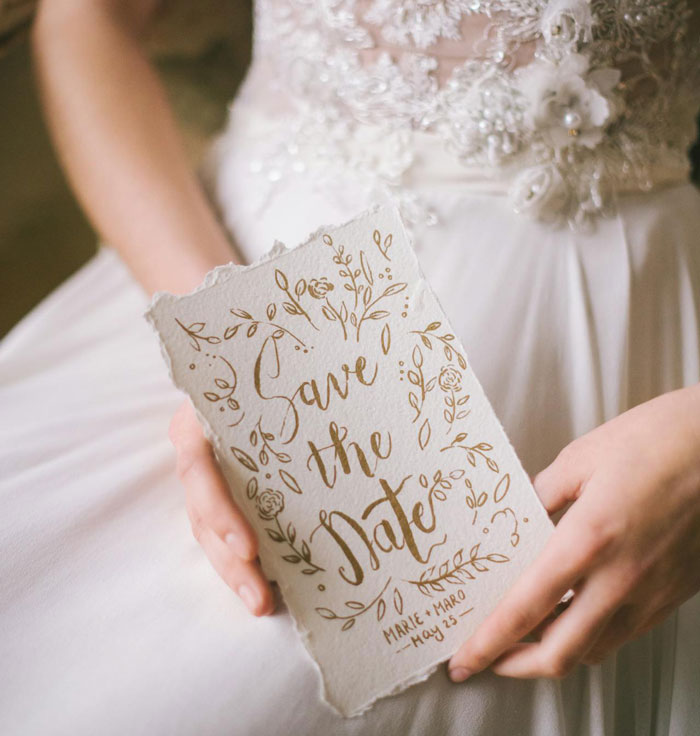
{"type": "Point", "coordinates": [567, 103]}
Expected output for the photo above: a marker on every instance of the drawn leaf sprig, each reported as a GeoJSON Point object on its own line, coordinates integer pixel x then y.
{"type": "Point", "coordinates": [456, 570]}
{"type": "Point", "coordinates": [383, 244]}
{"type": "Point", "coordinates": [194, 332]}
{"type": "Point", "coordinates": [430, 338]}
{"type": "Point", "coordinates": [298, 553]}
{"type": "Point", "coordinates": [480, 449]}
{"type": "Point", "coordinates": [357, 608]}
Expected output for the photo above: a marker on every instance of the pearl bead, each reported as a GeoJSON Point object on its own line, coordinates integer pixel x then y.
{"type": "Point", "coordinates": [572, 119]}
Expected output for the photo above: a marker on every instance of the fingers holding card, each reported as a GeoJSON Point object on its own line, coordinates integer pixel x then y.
{"type": "Point", "coordinates": [389, 504]}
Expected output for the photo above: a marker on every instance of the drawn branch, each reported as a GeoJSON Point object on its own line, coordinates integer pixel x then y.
{"type": "Point", "coordinates": [481, 449]}
{"type": "Point", "coordinates": [456, 571]}
{"type": "Point", "coordinates": [429, 336]}
{"type": "Point", "coordinates": [440, 483]}
{"type": "Point", "coordinates": [260, 437]}
{"type": "Point", "coordinates": [416, 377]}
{"type": "Point", "coordinates": [383, 245]}
{"type": "Point", "coordinates": [293, 306]}
{"type": "Point", "coordinates": [474, 501]}
{"type": "Point", "coordinates": [194, 332]}
{"type": "Point", "coordinates": [336, 315]}
{"type": "Point", "coordinates": [299, 554]}
{"type": "Point", "coordinates": [345, 269]}
{"type": "Point", "coordinates": [251, 324]}
{"type": "Point", "coordinates": [369, 312]}
{"type": "Point", "coordinates": [356, 608]}
{"type": "Point", "coordinates": [228, 387]}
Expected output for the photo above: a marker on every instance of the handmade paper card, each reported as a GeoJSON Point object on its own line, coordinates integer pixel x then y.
{"type": "Point", "coordinates": [390, 506]}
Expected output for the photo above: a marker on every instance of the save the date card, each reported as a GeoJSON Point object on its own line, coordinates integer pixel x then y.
{"type": "Point", "coordinates": [390, 506]}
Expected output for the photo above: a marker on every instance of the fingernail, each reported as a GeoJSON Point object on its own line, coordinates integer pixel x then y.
{"type": "Point", "coordinates": [459, 674]}
{"type": "Point", "coordinates": [249, 597]}
{"type": "Point", "coordinates": [237, 545]}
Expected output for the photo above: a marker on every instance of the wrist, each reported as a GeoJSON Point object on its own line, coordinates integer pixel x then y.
{"type": "Point", "coordinates": [182, 268]}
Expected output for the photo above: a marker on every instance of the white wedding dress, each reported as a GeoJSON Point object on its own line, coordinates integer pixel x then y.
{"type": "Point", "coordinates": [537, 150]}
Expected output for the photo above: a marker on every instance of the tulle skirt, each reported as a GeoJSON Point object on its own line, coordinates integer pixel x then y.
{"type": "Point", "coordinates": [112, 620]}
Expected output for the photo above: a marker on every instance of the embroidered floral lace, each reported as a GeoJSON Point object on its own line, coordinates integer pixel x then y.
{"type": "Point", "coordinates": [567, 101]}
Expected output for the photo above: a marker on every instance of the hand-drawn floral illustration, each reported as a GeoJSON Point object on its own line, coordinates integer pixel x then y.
{"type": "Point", "coordinates": [227, 386]}
{"type": "Point", "coordinates": [194, 332]}
{"type": "Point", "coordinates": [417, 378]}
{"type": "Point", "coordinates": [450, 382]}
{"type": "Point", "coordinates": [384, 244]}
{"type": "Point", "coordinates": [357, 608]}
{"type": "Point", "coordinates": [474, 500]}
{"type": "Point", "coordinates": [270, 504]}
{"type": "Point", "coordinates": [472, 452]}
{"type": "Point", "coordinates": [251, 325]}
{"type": "Point", "coordinates": [293, 305]}
{"type": "Point", "coordinates": [508, 513]}
{"type": "Point", "coordinates": [318, 288]}
{"type": "Point", "coordinates": [430, 338]}
{"type": "Point", "coordinates": [456, 570]}
{"type": "Point", "coordinates": [450, 379]}
{"type": "Point", "coordinates": [262, 441]}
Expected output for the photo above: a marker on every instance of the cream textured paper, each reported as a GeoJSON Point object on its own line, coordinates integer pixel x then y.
{"type": "Point", "coordinates": [391, 508]}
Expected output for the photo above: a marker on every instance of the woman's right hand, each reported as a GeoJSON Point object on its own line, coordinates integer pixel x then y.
{"type": "Point", "coordinates": [226, 537]}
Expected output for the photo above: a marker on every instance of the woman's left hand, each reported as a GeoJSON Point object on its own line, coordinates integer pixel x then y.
{"type": "Point", "coordinates": [628, 545]}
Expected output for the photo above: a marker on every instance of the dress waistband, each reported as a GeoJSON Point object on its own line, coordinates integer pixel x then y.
{"type": "Point", "coordinates": [409, 160]}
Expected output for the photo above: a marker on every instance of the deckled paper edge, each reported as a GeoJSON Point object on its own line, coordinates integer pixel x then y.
{"type": "Point", "coordinates": [219, 275]}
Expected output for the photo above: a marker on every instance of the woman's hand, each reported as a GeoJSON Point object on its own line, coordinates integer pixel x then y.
{"type": "Point", "coordinates": [628, 545]}
{"type": "Point", "coordinates": [226, 537]}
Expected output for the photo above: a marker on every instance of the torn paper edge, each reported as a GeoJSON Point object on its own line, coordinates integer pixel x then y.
{"type": "Point", "coordinates": [219, 275]}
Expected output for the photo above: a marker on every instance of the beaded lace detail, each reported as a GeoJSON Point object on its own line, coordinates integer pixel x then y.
{"type": "Point", "coordinates": [569, 101]}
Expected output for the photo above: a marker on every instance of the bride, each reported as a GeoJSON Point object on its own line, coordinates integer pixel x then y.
{"type": "Point", "coordinates": [537, 152]}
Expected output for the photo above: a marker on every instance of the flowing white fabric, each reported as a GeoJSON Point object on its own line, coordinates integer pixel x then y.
{"type": "Point", "coordinates": [111, 619]}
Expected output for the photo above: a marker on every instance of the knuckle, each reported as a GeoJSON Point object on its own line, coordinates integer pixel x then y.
{"type": "Point", "coordinates": [570, 453]}
{"type": "Point", "coordinates": [600, 534]}
{"type": "Point", "coordinates": [518, 622]}
{"type": "Point", "coordinates": [479, 655]}
{"type": "Point", "coordinates": [557, 666]}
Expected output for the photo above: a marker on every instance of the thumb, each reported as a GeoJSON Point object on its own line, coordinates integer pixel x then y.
{"type": "Point", "coordinates": [561, 481]}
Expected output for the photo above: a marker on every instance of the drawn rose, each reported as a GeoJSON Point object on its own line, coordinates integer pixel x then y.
{"type": "Point", "coordinates": [450, 379]}
{"type": "Point", "coordinates": [318, 288]}
{"type": "Point", "coordinates": [270, 504]}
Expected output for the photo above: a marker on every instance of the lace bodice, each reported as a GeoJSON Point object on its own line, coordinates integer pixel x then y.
{"type": "Point", "coordinates": [568, 101]}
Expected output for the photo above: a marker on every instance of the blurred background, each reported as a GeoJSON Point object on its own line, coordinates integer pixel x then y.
{"type": "Point", "coordinates": [201, 48]}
